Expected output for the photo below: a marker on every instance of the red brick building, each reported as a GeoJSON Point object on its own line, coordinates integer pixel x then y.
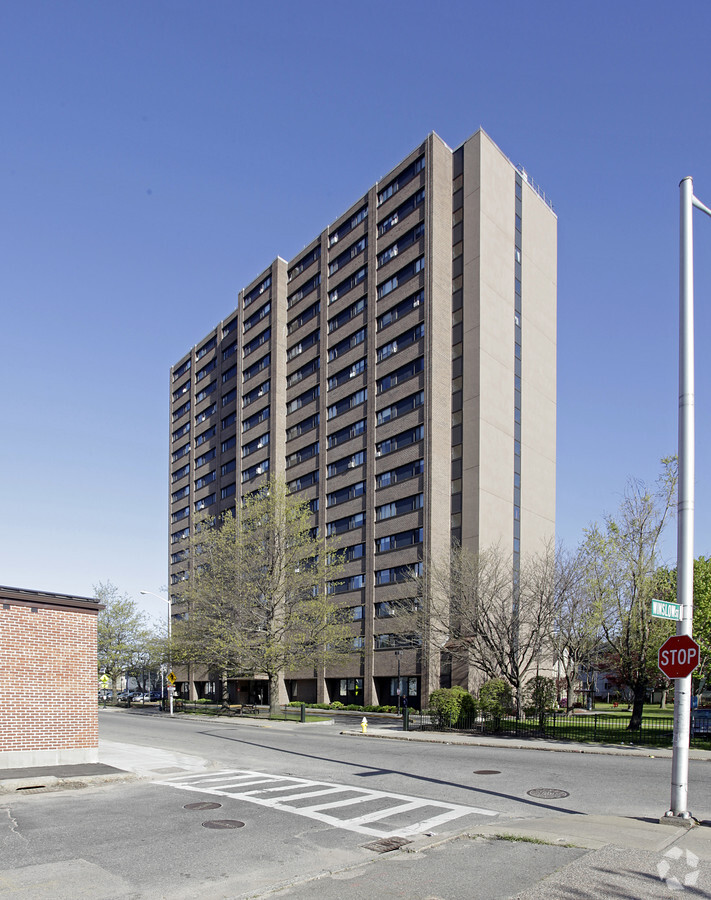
{"type": "Point", "coordinates": [48, 679]}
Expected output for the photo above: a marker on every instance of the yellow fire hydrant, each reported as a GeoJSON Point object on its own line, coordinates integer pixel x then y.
{"type": "Point", "coordinates": [364, 725]}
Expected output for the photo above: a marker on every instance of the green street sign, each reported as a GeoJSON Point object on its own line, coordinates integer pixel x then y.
{"type": "Point", "coordinates": [663, 610]}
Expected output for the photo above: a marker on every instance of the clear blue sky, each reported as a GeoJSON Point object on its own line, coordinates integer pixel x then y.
{"type": "Point", "coordinates": [156, 156]}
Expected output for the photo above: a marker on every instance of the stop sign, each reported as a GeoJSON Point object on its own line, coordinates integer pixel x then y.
{"type": "Point", "coordinates": [679, 656]}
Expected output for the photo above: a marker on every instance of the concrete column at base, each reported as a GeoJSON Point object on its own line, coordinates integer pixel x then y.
{"type": "Point", "coordinates": [321, 692]}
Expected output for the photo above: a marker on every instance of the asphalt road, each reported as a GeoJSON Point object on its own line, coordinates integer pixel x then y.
{"type": "Point", "coordinates": [143, 839]}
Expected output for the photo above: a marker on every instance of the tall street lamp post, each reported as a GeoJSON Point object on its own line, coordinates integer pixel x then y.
{"type": "Point", "coordinates": [685, 499]}
{"type": "Point", "coordinates": [170, 640]}
{"type": "Point", "coordinates": [398, 654]}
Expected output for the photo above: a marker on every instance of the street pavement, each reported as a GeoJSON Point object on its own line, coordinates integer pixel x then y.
{"type": "Point", "coordinates": [557, 857]}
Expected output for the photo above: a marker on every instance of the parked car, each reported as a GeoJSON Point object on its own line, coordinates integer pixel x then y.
{"type": "Point", "coordinates": [156, 695]}
{"type": "Point", "coordinates": [105, 694]}
{"type": "Point", "coordinates": [127, 695]}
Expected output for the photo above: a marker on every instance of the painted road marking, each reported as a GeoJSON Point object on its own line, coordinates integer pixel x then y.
{"type": "Point", "coordinates": [281, 790]}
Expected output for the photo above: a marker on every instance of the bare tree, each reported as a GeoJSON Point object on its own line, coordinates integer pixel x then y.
{"type": "Point", "coordinates": [621, 559]}
{"type": "Point", "coordinates": [487, 616]}
{"type": "Point", "coordinates": [259, 597]}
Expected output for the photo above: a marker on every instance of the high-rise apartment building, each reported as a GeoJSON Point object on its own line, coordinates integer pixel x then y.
{"type": "Point", "coordinates": [400, 374]}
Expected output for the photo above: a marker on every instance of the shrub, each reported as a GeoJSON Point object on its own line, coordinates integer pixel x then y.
{"type": "Point", "coordinates": [452, 706]}
{"type": "Point", "coordinates": [496, 697]}
{"type": "Point", "coordinates": [335, 705]}
{"type": "Point", "coordinates": [540, 695]}
{"type": "Point", "coordinates": [354, 707]}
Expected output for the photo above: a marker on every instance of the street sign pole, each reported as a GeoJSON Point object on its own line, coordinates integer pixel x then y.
{"type": "Point", "coordinates": [685, 502]}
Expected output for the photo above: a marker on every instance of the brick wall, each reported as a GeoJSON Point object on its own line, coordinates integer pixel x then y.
{"type": "Point", "coordinates": [48, 684]}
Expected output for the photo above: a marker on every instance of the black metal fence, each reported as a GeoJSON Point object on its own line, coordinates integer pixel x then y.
{"type": "Point", "coordinates": [656, 731]}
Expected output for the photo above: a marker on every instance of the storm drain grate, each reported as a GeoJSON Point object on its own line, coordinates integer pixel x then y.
{"type": "Point", "coordinates": [385, 845]}
{"type": "Point", "coordinates": [548, 793]}
{"type": "Point", "coordinates": [204, 804]}
{"type": "Point", "coordinates": [222, 823]}
{"type": "Point", "coordinates": [487, 772]}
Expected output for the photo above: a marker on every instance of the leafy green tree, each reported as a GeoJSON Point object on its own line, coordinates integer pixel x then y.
{"type": "Point", "coordinates": [451, 705]}
{"type": "Point", "coordinates": [260, 595]}
{"type": "Point", "coordinates": [621, 558]}
{"type": "Point", "coordinates": [496, 697]}
{"type": "Point", "coordinates": [540, 695]}
{"type": "Point", "coordinates": [123, 631]}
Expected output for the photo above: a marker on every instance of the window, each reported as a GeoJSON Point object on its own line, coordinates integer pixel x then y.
{"type": "Point", "coordinates": [201, 373]}
{"type": "Point", "coordinates": [346, 434]}
{"type": "Point", "coordinates": [261, 390]}
{"type": "Point", "coordinates": [256, 342]}
{"type": "Point", "coordinates": [308, 369]}
{"type": "Point", "coordinates": [229, 420]}
{"type": "Point", "coordinates": [206, 347]}
{"type": "Point", "coordinates": [346, 463]}
{"type": "Point", "coordinates": [395, 641]}
{"type": "Point", "coordinates": [298, 484]}
{"type": "Point", "coordinates": [347, 524]}
{"type": "Point", "coordinates": [407, 240]}
{"type": "Point", "coordinates": [399, 540]}
{"type": "Point", "coordinates": [306, 288]}
{"type": "Point", "coordinates": [229, 373]}
{"type": "Point", "coordinates": [302, 427]}
{"type": "Point", "coordinates": [183, 389]}
{"type": "Point", "coordinates": [358, 368]}
{"type": "Point", "coordinates": [180, 452]}
{"type": "Point", "coordinates": [303, 345]}
{"type": "Point", "coordinates": [229, 396]}
{"type": "Point", "coordinates": [206, 457]}
{"type": "Point", "coordinates": [179, 535]}
{"type": "Point", "coordinates": [302, 455]}
{"type": "Point", "coordinates": [355, 551]}
{"type": "Point", "coordinates": [206, 391]}
{"type": "Point", "coordinates": [257, 317]}
{"type": "Point", "coordinates": [256, 444]}
{"type": "Point", "coordinates": [303, 399]}
{"type": "Point", "coordinates": [398, 507]}
{"type": "Point", "coordinates": [347, 226]}
{"type": "Point", "coordinates": [401, 277]}
{"type": "Point", "coordinates": [348, 284]}
{"type": "Point", "coordinates": [229, 351]}
{"type": "Point", "coordinates": [354, 583]}
{"type": "Point", "coordinates": [260, 469]}
{"type": "Point", "coordinates": [402, 341]}
{"type": "Point", "coordinates": [347, 344]}
{"type": "Point", "coordinates": [256, 292]}
{"type": "Point", "coordinates": [347, 314]}
{"type": "Point", "coordinates": [181, 410]}
{"type": "Point", "coordinates": [255, 419]}
{"type": "Point", "coordinates": [256, 367]}
{"type": "Point", "coordinates": [205, 414]}
{"type": "Point", "coordinates": [228, 444]}
{"type": "Point", "coordinates": [205, 480]}
{"type": "Point", "coordinates": [179, 495]}
{"type": "Point", "coordinates": [304, 262]}
{"type": "Point", "coordinates": [398, 441]}
{"type": "Point", "coordinates": [402, 473]}
{"type": "Point", "coordinates": [178, 557]}
{"type": "Point", "coordinates": [348, 403]}
{"type": "Point", "coordinates": [406, 405]}
{"type": "Point", "coordinates": [180, 473]}
{"type": "Point", "coordinates": [347, 255]}
{"type": "Point", "coordinates": [181, 370]}
{"type": "Point", "coordinates": [402, 212]}
{"type": "Point", "coordinates": [177, 577]}
{"type": "Point", "coordinates": [205, 502]}
{"type": "Point", "coordinates": [228, 467]}
{"type": "Point", "coordinates": [401, 374]}
{"type": "Point", "coordinates": [398, 574]}
{"type": "Point", "coordinates": [184, 429]}
{"type": "Point", "coordinates": [180, 514]}
{"type": "Point", "coordinates": [402, 309]}
{"type": "Point", "coordinates": [205, 435]}
{"type": "Point", "coordinates": [305, 316]}
{"type": "Point", "coordinates": [405, 177]}
{"type": "Point", "coordinates": [227, 491]}
{"type": "Point", "coordinates": [349, 492]}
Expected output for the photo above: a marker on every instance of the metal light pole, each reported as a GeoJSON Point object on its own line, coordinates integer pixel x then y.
{"type": "Point", "coordinates": [685, 501]}
{"type": "Point", "coordinates": [170, 640]}
{"type": "Point", "coordinates": [398, 654]}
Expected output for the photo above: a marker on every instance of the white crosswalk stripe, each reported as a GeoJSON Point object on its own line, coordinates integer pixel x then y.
{"type": "Point", "coordinates": [390, 814]}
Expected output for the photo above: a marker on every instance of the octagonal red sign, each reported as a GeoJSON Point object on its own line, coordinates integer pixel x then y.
{"type": "Point", "coordinates": [679, 656]}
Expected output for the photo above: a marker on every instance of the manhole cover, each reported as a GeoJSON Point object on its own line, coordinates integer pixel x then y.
{"type": "Point", "coordinates": [387, 844]}
{"type": "Point", "coordinates": [487, 772]}
{"type": "Point", "coordinates": [548, 793]}
{"type": "Point", "coordinates": [204, 804]}
{"type": "Point", "coordinates": [223, 823]}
